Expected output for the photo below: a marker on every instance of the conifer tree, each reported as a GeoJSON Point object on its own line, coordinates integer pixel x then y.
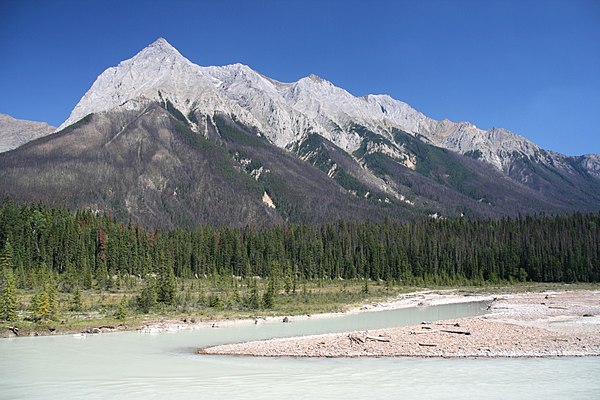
{"type": "Point", "coordinates": [40, 306]}
{"type": "Point", "coordinates": [254, 301]}
{"type": "Point", "coordinates": [167, 287]}
{"type": "Point", "coordinates": [6, 261]}
{"type": "Point", "coordinates": [269, 295]}
{"type": "Point", "coordinates": [147, 298]}
{"type": "Point", "coordinates": [289, 280]}
{"type": "Point", "coordinates": [122, 310]}
{"type": "Point", "coordinates": [8, 302]}
{"type": "Point", "coordinates": [76, 300]}
{"type": "Point", "coordinates": [52, 295]}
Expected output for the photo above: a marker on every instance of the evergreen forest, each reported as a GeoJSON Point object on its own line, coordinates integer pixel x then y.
{"type": "Point", "coordinates": [48, 252]}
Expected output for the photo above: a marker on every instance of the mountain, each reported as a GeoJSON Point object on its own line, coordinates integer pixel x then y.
{"type": "Point", "coordinates": [167, 142]}
{"type": "Point", "coordinates": [16, 132]}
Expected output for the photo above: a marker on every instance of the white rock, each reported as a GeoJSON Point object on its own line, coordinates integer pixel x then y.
{"type": "Point", "coordinates": [16, 132]}
{"type": "Point", "coordinates": [286, 112]}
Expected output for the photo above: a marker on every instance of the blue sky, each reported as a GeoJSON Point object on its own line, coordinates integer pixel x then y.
{"type": "Point", "coordinates": [531, 66]}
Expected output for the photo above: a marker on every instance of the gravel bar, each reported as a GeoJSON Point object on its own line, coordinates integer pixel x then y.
{"type": "Point", "coordinates": [548, 324]}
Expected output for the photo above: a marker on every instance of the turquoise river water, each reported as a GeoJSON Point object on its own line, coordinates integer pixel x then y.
{"type": "Point", "coordinates": [133, 365]}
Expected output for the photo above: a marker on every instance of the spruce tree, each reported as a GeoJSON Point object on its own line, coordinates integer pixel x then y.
{"type": "Point", "coordinates": [254, 301]}
{"type": "Point", "coordinates": [40, 306]}
{"type": "Point", "coordinates": [8, 302]}
{"type": "Point", "coordinates": [76, 300]}
{"type": "Point", "coordinates": [147, 298]}
{"type": "Point", "coordinates": [269, 295]}
{"type": "Point", "coordinates": [122, 310]}
{"type": "Point", "coordinates": [6, 262]}
{"type": "Point", "coordinates": [167, 287]}
{"type": "Point", "coordinates": [52, 295]}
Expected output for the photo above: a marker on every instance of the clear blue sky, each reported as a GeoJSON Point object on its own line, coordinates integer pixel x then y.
{"type": "Point", "coordinates": [531, 66]}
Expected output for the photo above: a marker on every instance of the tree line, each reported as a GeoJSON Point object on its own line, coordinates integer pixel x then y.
{"type": "Point", "coordinates": [86, 250]}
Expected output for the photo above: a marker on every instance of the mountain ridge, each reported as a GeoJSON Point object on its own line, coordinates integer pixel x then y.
{"type": "Point", "coordinates": [305, 151]}
{"type": "Point", "coordinates": [311, 104]}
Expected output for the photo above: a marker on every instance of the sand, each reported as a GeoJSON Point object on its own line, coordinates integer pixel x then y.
{"type": "Point", "coordinates": [547, 324]}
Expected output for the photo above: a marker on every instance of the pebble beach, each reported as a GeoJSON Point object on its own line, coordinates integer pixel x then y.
{"type": "Point", "coordinates": [548, 324]}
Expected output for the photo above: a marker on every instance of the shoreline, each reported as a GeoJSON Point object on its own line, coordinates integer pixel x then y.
{"type": "Point", "coordinates": [546, 324]}
{"type": "Point", "coordinates": [406, 300]}
{"type": "Point", "coordinates": [156, 325]}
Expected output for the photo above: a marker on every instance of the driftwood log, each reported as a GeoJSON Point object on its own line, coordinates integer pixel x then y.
{"type": "Point", "coordinates": [359, 340]}
{"type": "Point", "coordinates": [423, 332]}
{"type": "Point", "coordinates": [378, 338]}
{"type": "Point", "coordinates": [456, 332]}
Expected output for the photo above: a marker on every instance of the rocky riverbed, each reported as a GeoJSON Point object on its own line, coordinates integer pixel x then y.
{"type": "Point", "coordinates": [518, 325]}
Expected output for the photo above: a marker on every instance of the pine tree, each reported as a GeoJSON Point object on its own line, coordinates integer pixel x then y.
{"type": "Point", "coordinates": [269, 295]}
{"type": "Point", "coordinates": [6, 262]}
{"type": "Point", "coordinates": [76, 300]}
{"type": "Point", "coordinates": [8, 302]}
{"type": "Point", "coordinates": [102, 278]}
{"type": "Point", "coordinates": [167, 287]}
{"type": "Point", "coordinates": [254, 301]}
{"type": "Point", "coordinates": [147, 298]}
{"type": "Point", "coordinates": [40, 306]}
{"type": "Point", "coordinates": [288, 283]}
{"type": "Point", "coordinates": [52, 296]}
{"type": "Point", "coordinates": [122, 310]}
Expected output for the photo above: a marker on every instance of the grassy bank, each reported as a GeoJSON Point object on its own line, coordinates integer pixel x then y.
{"type": "Point", "coordinates": [204, 300]}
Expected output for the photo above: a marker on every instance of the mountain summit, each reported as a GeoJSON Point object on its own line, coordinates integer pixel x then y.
{"type": "Point", "coordinates": [286, 112]}
{"type": "Point", "coordinates": [166, 141]}
{"type": "Point", "coordinates": [159, 65]}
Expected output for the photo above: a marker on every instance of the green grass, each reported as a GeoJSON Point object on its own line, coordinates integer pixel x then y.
{"type": "Point", "coordinates": [321, 296]}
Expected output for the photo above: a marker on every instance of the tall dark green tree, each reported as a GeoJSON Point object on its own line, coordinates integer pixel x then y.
{"type": "Point", "coordinates": [8, 301]}
{"type": "Point", "coordinates": [167, 286]}
{"type": "Point", "coordinates": [147, 298]}
{"type": "Point", "coordinates": [269, 295]}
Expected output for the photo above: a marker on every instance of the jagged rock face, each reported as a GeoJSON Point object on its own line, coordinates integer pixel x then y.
{"type": "Point", "coordinates": [287, 112]}
{"type": "Point", "coordinates": [16, 132]}
{"type": "Point", "coordinates": [591, 164]}
{"type": "Point", "coordinates": [167, 142]}
{"type": "Point", "coordinates": [151, 167]}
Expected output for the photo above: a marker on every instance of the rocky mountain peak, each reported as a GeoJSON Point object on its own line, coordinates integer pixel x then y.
{"type": "Point", "coordinates": [157, 66]}
{"type": "Point", "coordinates": [159, 55]}
{"type": "Point", "coordinates": [285, 112]}
{"type": "Point", "coordinates": [162, 44]}
{"type": "Point", "coordinates": [175, 142]}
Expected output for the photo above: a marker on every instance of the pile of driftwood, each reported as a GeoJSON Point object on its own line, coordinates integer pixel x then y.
{"type": "Point", "coordinates": [362, 338]}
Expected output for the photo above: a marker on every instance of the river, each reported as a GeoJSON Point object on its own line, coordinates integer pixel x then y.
{"type": "Point", "coordinates": [133, 365]}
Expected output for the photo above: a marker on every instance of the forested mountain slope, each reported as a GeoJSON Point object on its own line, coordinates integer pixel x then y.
{"type": "Point", "coordinates": [166, 142]}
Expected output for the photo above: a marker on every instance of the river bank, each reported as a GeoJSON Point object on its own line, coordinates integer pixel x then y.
{"type": "Point", "coordinates": [547, 324]}
{"type": "Point", "coordinates": [405, 300]}
{"type": "Point", "coordinates": [154, 323]}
